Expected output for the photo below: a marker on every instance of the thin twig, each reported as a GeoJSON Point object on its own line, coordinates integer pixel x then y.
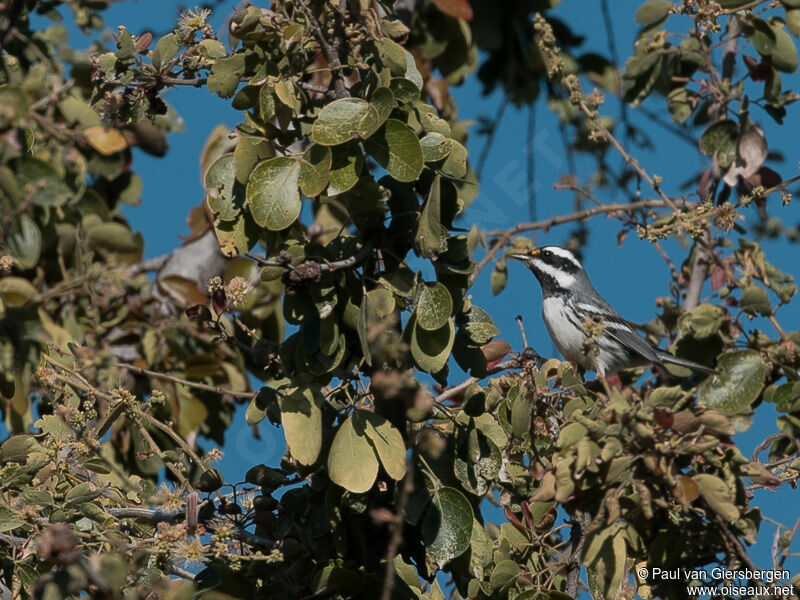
{"type": "Point", "coordinates": [186, 382]}
{"type": "Point", "coordinates": [490, 137]}
{"type": "Point", "coordinates": [456, 389]}
{"type": "Point", "coordinates": [522, 333]}
{"type": "Point", "coordinates": [331, 54]}
{"type": "Point", "coordinates": [345, 263]}
{"type": "Point", "coordinates": [397, 529]}
{"type": "Point", "coordinates": [506, 234]}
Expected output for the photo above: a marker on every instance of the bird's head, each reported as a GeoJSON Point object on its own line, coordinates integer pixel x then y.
{"type": "Point", "coordinates": [556, 268]}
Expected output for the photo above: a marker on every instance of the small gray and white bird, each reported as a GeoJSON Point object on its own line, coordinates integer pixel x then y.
{"type": "Point", "coordinates": [570, 301]}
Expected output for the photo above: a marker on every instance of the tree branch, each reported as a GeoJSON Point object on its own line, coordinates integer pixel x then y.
{"type": "Point", "coordinates": [186, 382]}
{"type": "Point", "coordinates": [331, 53]}
{"type": "Point", "coordinates": [397, 530]}
{"type": "Point", "coordinates": [506, 234]}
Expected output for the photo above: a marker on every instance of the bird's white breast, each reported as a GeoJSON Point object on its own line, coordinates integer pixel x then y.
{"type": "Point", "coordinates": [565, 335]}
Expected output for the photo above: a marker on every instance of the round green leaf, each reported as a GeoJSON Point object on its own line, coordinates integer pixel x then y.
{"type": "Point", "coordinates": [455, 166]}
{"type": "Point", "coordinates": [301, 417]}
{"type": "Point", "coordinates": [436, 147]}
{"type": "Point", "coordinates": [761, 35]}
{"type": "Point", "coordinates": [40, 182]}
{"type": "Point", "coordinates": [755, 301]}
{"type": "Point", "coordinates": [273, 194]}
{"type": "Point", "coordinates": [720, 139]}
{"type": "Point", "coordinates": [387, 441]}
{"type": "Point", "coordinates": [652, 12]}
{"type": "Point", "coordinates": [225, 193]}
{"type": "Point", "coordinates": [397, 149]}
{"type": "Point", "coordinates": [504, 573]}
{"type": "Point", "coordinates": [793, 21]}
{"type": "Point", "coordinates": [431, 349]}
{"type": "Point", "coordinates": [447, 526]}
{"type": "Point", "coordinates": [14, 103]}
{"type": "Point", "coordinates": [345, 119]}
{"type": "Point", "coordinates": [383, 101]}
{"type": "Point", "coordinates": [404, 90]}
{"type": "Point", "coordinates": [703, 322]}
{"type": "Point", "coordinates": [315, 170]}
{"type": "Point", "coordinates": [25, 242]}
{"type": "Point", "coordinates": [434, 306]}
{"type": "Point", "coordinates": [352, 462]}
{"type": "Point", "coordinates": [114, 237]}
{"type": "Point", "coordinates": [345, 170]}
{"type": "Point", "coordinates": [784, 54]}
{"type": "Point", "coordinates": [717, 495]}
{"type": "Point", "coordinates": [738, 385]}
{"type": "Point", "coordinates": [477, 462]}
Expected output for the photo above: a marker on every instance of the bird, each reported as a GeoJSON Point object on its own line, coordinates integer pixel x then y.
{"type": "Point", "coordinates": [570, 304]}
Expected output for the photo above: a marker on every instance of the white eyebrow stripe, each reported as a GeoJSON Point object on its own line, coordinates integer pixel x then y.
{"type": "Point", "coordinates": [564, 280]}
{"type": "Point", "coordinates": [564, 253]}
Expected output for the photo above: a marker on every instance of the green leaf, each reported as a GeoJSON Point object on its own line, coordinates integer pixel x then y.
{"type": "Point", "coordinates": [720, 139]}
{"type": "Point", "coordinates": [505, 573]}
{"type": "Point", "coordinates": [481, 333]}
{"type": "Point", "coordinates": [315, 170]}
{"type": "Point", "coordinates": [717, 495]}
{"type": "Point", "coordinates": [499, 277]}
{"type": "Point", "coordinates": [784, 54]}
{"type": "Point", "coordinates": [703, 322]}
{"type": "Point", "coordinates": [455, 165]}
{"type": "Point", "coordinates": [226, 195]}
{"type": "Point", "coordinates": [755, 301]}
{"type": "Point", "coordinates": [345, 119]}
{"type": "Point", "coordinates": [114, 237]}
{"type": "Point", "coordinates": [436, 147]}
{"type": "Point", "coordinates": [272, 193]}
{"type": "Point", "coordinates": [346, 167]}
{"type": "Point", "coordinates": [434, 306]}
{"type": "Point", "coordinates": [447, 526]}
{"type": "Point", "coordinates": [166, 49]}
{"type": "Point", "coordinates": [24, 242]}
{"type": "Point", "coordinates": [738, 385]}
{"type": "Point", "coordinates": [397, 149]}
{"type": "Point", "coordinates": [15, 105]}
{"type": "Point", "coordinates": [9, 521]}
{"type": "Point", "coordinates": [16, 291]}
{"type": "Point", "coordinates": [521, 416]}
{"type": "Point", "coordinates": [679, 106]}
{"type": "Point", "coordinates": [652, 12]}
{"type": "Point", "coordinates": [125, 47]}
{"type": "Point", "coordinates": [17, 448]}
{"type": "Point", "coordinates": [225, 75]}
{"type": "Point", "coordinates": [382, 100]}
{"type": "Point", "coordinates": [760, 35]}
{"type": "Point", "coordinates": [793, 21]}
{"type": "Point", "coordinates": [352, 461]}
{"type": "Point", "coordinates": [376, 305]}
{"type": "Point", "coordinates": [431, 235]}
{"type": "Point", "coordinates": [212, 49]}
{"type": "Point", "coordinates": [40, 182]}
{"type": "Point", "coordinates": [78, 112]}
{"type": "Point", "coordinates": [387, 441]}
{"type": "Point", "coordinates": [431, 349]}
{"type": "Point", "coordinates": [477, 462]}
{"type": "Point", "coordinates": [83, 492]}
{"type": "Point", "coordinates": [301, 417]}
{"type": "Point", "coordinates": [404, 90]}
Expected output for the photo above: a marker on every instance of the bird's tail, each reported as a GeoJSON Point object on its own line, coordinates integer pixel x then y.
{"type": "Point", "coordinates": [666, 357]}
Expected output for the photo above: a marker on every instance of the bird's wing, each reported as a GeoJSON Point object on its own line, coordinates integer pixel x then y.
{"type": "Point", "coordinates": [617, 327]}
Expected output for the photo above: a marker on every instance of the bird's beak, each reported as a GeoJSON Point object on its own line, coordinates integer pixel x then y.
{"type": "Point", "coordinates": [524, 257]}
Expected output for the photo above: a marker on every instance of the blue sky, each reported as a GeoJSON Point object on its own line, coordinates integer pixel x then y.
{"type": "Point", "coordinates": [631, 277]}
